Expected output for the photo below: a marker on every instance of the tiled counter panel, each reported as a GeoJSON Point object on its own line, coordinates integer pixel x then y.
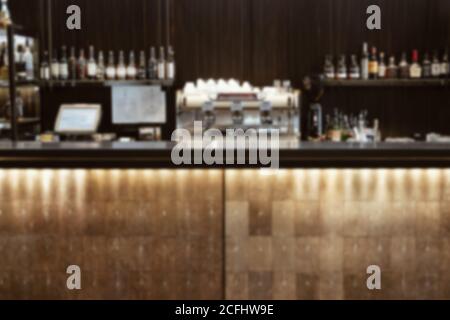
{"type": "Point", "coordinates": [136, 234]}
{"type": "Point", "coordinates": [290, 234]}
{"type": "Point", "coordinates": [311, 234]}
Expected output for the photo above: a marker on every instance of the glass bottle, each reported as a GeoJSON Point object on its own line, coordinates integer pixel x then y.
{"type": "Point", "coordinates": [426, 67]}
{"type": "Point", "coordinates": [92, 65]}
{"type": "Point", "coordinates": [382, 67]}
{"type": "Point", "coordinates": [64, 65]}
{"type": "Point", "coordinates": [29, 61]}
{"type": "Point", "coordinates": [365, 62]}
{"type": "Point", "coordinates": [5, 15]}
{"type": "Point", "coordinates": [328, 68]}
{"type": "Point", "coordinates": [54, 67]}
{"type": "Point", "coordinates": [152, 72]}
{"type": "Point", "coordinates": [170, 72]}
{"type": "Point", "coordinates": [373, 64]}
{"type": "Point", "coordinates": [392, 70]}
{"type": "Point", "coordinates": [72, 64]}
{"type": "Point", "coordinates": [142, 70]}
{"type": "Point", "coordinates": [342, 68]}
{"type": "Point", "coordinates": [81, 66]}
{"type": "Point", "coordinates": [404, 67]}
{"type": "Point", "coordinates": [355, 72]}
{"type": "Point", "coordinates": [121, 72]}
{"type": "Point", "coordinates": [45, 67]}
{"type": "Point", "coordinates": [445, 66]}
{"type": "Point", "coordinates": [101, 66]}
{"type": "Point", "coordinates": [161, 64]}
{"type": "Point", "coordinates": [111, 68]}
{"type": "Point", "coordinates": [415, 70]}
{"type": "Point", "coordinates": [131, 69]}
{"type": "Point", "coordinates": [435, 66]}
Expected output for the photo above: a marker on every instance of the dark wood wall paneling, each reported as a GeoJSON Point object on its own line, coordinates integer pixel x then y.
{"type": "Point", "coordinates": [263, 40]}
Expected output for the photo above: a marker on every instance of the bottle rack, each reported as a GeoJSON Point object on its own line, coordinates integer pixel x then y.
{"type": "Point", "coordinates": [13, 84]}
{"type": "Point", "coordinates": [388, 83]}
{"type": "Point", "coordinates": [103, 83]}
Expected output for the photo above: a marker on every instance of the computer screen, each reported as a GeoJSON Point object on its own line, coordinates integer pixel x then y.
{"type": "Point", "coordinates": [78, 119]}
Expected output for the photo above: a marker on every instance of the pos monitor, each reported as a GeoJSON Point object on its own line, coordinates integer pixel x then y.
{"type": "Point", "coordinates": [78, 119]}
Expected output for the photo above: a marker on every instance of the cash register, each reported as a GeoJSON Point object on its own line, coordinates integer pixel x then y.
{"type": "Point", "coordinates": [75, 122]}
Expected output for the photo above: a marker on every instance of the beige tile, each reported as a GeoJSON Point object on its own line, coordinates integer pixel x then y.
{"type": "Point", "coordinates": [428, 219]}
{"type": "Point", "coordinates": [331, 254]}
{"type": "Point", "coordinates": [308, 255]}
{"type": "Point", "coordinates": [356, 219]}
{"type": "Point", "coordinates": [445, 218]}
{"type": "Point", "coordinates": [331, 286]}
{"type": "Point", "coordinates": [237, 255]}
{"type": "Point", "coordinates": [237, 286]}
{"type": "Point", "coordinates": [237, 219]}
{"type": "Point", "coordinates": [356, 257]}
{"type": "Point", "coordinates": [308, 220]}
{"type": "Point", "coordinates": [332, 216]}
{"type": "Point", "coordinates": [403, 255]}
{"type": "Point", "coordinates": [260, 254]}
{"type": "Point", "coordinates": [260, 285]}
{"type": "Point", "coordinates": [284, 286]}
{"type": "Point", "coordinates": [308, 287]}
{"type": "Point", "coordinates": [283, 217]}
{"type": "Point", "coordinates": [284, 254]}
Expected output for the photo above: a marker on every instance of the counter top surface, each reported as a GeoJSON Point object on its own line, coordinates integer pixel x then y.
{"type": "Point", "coordinates": [158, 154]}
{"type": "Point", "coordinates": [161, 146]}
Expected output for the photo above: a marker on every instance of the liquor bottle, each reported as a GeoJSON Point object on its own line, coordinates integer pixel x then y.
{"type": "Point", "coordinates": [81, 66]}
{"type": "Point", "coordinates": [382, 67]}
{"type": "Point", "coordinates": [45, 67]}
{"type": "Point", "coordinates": [392, 70]}
{"type": "Point", "coordinates": [19, 62]}
{"type": "Point", "coordinates": [4, 63]}
{"type": "Point", "coordinates": [170, 72]}
{"type": "Point", "coordinates": [121, 72]}
{"type": "Point", "coordinates": [404, 67]}
{"type": "Point", "coordinates": [342, 68]}
{"type": "Point", "coordinates": [152, 65]}
{"type": "Point", "coordinates": [63, 65]}
{"type": "Point", "coordinates": [315, 121]}
{"type": "Point", "coordinates": [373, 64]}
{"type": "Point", "coordinates": [415, 70]}
{"type": "Point", "coordinates": [161, 64]}
{"type": "Point", "coordinates": [29, 62]}
{"type": "Point", "coordinates": [355, 72]}
{"type": "Point", "coordinates": [435, 66]}
{"type": "Point", "coordinates": [365, 62]}
{"type": "Point", "coordinates": [328, 68]}
{"type": "Point", "coordinates": [142, 70]}
{"type": "Point", "coordinates": [92, 65]}
{"type": "Point", "coordinates": [131, 69]}
{"type": "Point", "coordinates": [101, 66]}
{"type": "Point", "coordinates": [445, 66]}
{"type": "Point", "coordinates": [111, 68]}
{"type": "Point", "coordinates": [426, 67]}
{"type": "Point", "coordinates": [72, 64]}
{"type": "Point", "coordinates": [54, 67]}
{"type": "Point", "coordinates": [5, 15]}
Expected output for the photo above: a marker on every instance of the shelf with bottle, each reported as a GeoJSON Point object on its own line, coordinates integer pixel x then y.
{"type": "Point", "coordinates": [340, 127]}
{"type": "Point", "coordinates": [25, 121]}
{"type": "Point", "coordinates": [20, 83]}
{"type": "Point", "coordinates": [24, 61]}
{"type": "Point", "coordinates": [73, 70]}
{"type": "Point", "coordinates": [388, 83]}
{"type": "Point", "coordinates": [372, 70]}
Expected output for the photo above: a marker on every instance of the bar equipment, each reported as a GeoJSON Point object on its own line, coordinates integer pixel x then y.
{"type": "Point", "coordinates": [222, 104]}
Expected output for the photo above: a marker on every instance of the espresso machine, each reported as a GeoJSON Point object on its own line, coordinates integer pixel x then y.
{"type": "Point", "coordinates": [222, 105]}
